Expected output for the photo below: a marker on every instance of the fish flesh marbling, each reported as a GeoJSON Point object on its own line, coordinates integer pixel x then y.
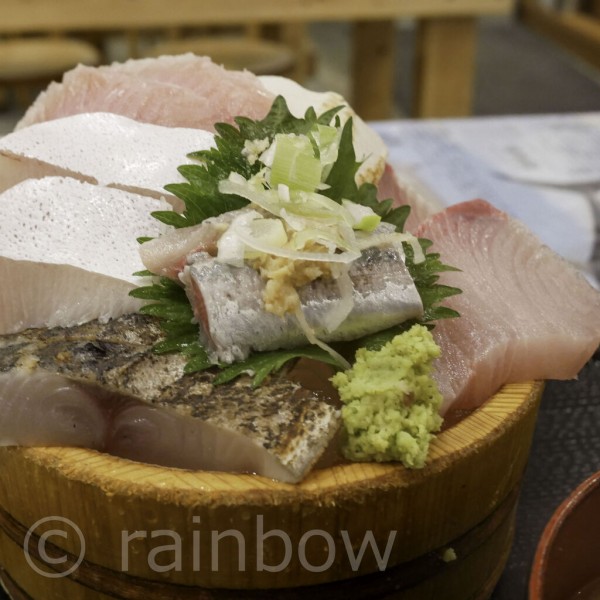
{"type": "Point", "coordinates": [526, 313]}
{"type": "Point", "coordinates": [68, 251]}
{"type": "Point", "coordinates": [228, 303]}
{"type": "Point", "coordinates": [175, 91]}
{"type": "Point", "coordinates": [103, 387]}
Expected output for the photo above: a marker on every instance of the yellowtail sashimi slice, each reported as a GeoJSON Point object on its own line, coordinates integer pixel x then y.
{"type": "Point", "coordinates": [175, 91]}
{"type": "Point", "coordinates": [526, 313]}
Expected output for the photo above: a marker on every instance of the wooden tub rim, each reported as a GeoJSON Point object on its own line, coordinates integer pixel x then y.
{"type": "Point", "coordinates": [117, 475]}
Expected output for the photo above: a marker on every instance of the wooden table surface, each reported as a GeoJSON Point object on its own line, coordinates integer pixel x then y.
{"type": "Point", "coordinates": [446, 40]}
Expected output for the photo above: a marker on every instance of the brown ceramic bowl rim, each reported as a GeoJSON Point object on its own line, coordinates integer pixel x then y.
{"type": "Point", "coordinates": [553, 527]}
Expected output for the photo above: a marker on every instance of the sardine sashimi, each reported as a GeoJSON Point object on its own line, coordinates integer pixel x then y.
{"type": "Point", "coordinates": [167, 254]}
{"type": "Point", "coordinates": [526, 313]}
{"type": "Point", "coordinates": [68, 251]}
{"type": "Point", "coordinates": [174, 91]}
{"type": "Point", "coordinates": [102, 386]}
{"type": "Point", "coordinates": [102, 148]}
{"type": "Point", "coordinates": [228, 304]}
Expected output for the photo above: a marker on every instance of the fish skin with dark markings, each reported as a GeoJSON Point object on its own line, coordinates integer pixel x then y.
{"type": "Point", "coordinates": [291, 424]}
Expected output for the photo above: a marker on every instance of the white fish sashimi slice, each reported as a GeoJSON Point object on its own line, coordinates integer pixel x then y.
{"type": "Point", "coordinates": [44, 409]}
{"type": "Point", "coordinates": [181, 91]}
{"type": "Point", "coordinates": [158, 436]}
{"type": "Point", "coordinates": [102, 148]}
{"type": "Point", "coordinates": [47, 295]}
{"type": "Point", "coordinates": [167, 254]}
{"type": "Point", "coordinates": [526, 313]}
{"type": "Point", "coordinates": [69, 250]}
{"type": "Point", "coordinates": [102, 386]}
{"type": "Point", "coordinates": [47, 410]}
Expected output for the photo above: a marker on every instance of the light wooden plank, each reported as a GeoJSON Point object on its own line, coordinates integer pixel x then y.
{"type": "Point", "coordinates": [575, 32]}
{"type": "Point", "coordinates": [28, 15]}
{"type": "Point", "coordinates": [444, 69]}
{"type": "Point", "coordinates": [373, 69]}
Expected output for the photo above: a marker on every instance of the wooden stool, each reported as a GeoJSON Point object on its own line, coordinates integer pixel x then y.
{"type": "Point", "coordinates": [27, 61]}
{"type": "Point", "coordinates": [262, 57]}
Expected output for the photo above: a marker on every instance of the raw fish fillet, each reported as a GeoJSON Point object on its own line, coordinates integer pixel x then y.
{"type": "Point", "coordinates": [228, 304]}
{"type": "Point", "coordinates": [175, 91]}
{"type": "Point", "coordinates": [68, 251]}
{"type": "Point", "coordinates": [166, 255]}
{"type": "Point", "coordinates": [526, 313]}
{"type": "Point", "coordinates": [403, 191]}
{"type": "Point", "coordinates": [101, 386]}
{"type": "Point", "coordinates": [102, 148]}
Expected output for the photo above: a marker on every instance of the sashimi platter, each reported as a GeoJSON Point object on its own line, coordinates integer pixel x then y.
{"type": "Point", "coordinates": [241, 358]}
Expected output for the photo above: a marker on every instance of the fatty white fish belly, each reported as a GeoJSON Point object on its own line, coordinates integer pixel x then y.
{"type": "Point", "coordinates": [526, 313]}
{"type": "Point", "coordinates": [102, 148]}
{"type": "Point", "coordinates": [68, 251]}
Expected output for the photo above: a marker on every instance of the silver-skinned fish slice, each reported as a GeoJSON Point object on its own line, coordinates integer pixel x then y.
{"type": "Point", "coordinates": [228, 304]}
{"type": "Point", "coordinates": [526, 313]}
{"type": "Point", "coordinates": [102, 386]}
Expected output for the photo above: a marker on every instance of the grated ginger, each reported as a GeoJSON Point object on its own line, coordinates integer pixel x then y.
{"type": "Point", "coordinates": [283, 278]}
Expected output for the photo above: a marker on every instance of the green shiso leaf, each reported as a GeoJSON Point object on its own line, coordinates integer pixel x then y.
{"type": "Point", "coordinates": [262, 364]}
{"type": "Point", "coordinates": [202, 199]}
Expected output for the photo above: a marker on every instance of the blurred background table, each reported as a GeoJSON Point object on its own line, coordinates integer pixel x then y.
{"type": "Point", "coordinates": [446, 39]}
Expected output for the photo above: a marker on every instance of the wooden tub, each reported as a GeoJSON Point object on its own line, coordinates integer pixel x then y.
{"type": "Point", "coordinates": [79, 525]}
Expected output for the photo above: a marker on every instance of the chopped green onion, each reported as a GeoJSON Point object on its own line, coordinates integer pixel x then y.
{"type": "Point", "coordinates": [295, 164]}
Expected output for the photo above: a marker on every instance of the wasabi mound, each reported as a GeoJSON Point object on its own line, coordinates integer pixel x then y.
{"type": "Point", "coordinates": [391, 403]}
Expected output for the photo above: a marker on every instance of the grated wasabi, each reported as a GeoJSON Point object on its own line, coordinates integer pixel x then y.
{"type": "Point", "coordinates": [391, 403]}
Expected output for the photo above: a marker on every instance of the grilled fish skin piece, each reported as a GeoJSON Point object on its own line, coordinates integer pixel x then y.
{"type": "Point", "coordinates": [228, 304]}
{"type": "Point", "coordinates": [101, 386]}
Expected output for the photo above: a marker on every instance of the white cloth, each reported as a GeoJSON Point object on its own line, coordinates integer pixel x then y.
{"type": "Point", "coordinates": [544, 170]}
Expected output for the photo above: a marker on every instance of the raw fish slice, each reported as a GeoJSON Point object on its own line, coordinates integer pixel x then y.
{"type": "Point", "coordinates": [46, 410]}
{"type": "Point", "coordinates": [402, 191]}
{"type": "Point", "coordinates": [118, 395]}
{"type": "Point", "coordinates": [68, 250]}
{"type": "Point", "coordinates": [154, 91]}
{"type": "Point", "coordinates": [101, 148]}
{"type": "Point", "coordinates": [88, 89]}
{"type": "Point", "coordinates": [167, 254]}
{"type": "Point", "coordinates": [525, 312]}
{"type": "Point", "coordinates": [227, 93]}
{"type": "Point", "coordinates": [192, 92]}
{"type": "Point", "coordinates": [228, 304]}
